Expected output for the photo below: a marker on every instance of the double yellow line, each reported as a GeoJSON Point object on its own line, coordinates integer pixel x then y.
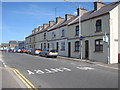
{"type": "Point", "coordinates": [22, 78]}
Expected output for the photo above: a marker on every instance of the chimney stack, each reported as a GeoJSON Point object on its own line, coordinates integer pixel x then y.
{"type": "Point", "coordinates": [82, 11]}
{"type": "Point", "coordinates": [59, 19]}
{"type": "Point", "coordinates": [98, 4]}
{"type": "Point", "coordinates": [40, 28]}
{"type": "Point", "coordinates": [36, 30]}
{"type": "Point", "coordinates": [33, 31]}
{"type": "Point", "coordinates": [68, 16]}
{"type": "Point", "coordinates": [51, 23]}
{"type": "Point", "coordinates": [45, 26]}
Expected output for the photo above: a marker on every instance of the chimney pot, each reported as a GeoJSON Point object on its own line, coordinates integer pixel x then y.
{"type": "Point", "coordinates": [45, 25]}
{"type": "Point", "coordinates": [59, 19]}
{"type": "Point", "coordinates": [68, 16]}
{"type": "Point", "coordinates": [98, 4]}
{"type": "Point", "coordinates": [51, 23]}
{"type": "Point", "coordinates": [82, 11]}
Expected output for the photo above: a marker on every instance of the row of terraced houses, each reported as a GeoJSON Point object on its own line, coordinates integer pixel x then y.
{"type": "Point", "coordinates": [63, 34]}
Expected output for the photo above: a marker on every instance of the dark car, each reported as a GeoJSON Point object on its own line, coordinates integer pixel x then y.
{"type": "Point", "coordinates": [49, 53]}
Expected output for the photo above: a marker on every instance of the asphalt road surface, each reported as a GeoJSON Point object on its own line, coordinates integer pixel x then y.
{"type": "Point", "coordinates": [60, 73]}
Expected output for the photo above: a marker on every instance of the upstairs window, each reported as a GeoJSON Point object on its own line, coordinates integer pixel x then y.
{"type": "Point", "coordinates": [63, 33]}
{"type": "Point", "coordinates": [99, 25]}
{"type": "Point", "coordinates": [77, 46]}
{"type": "Point", "coordinates": [53, 35]}
{"type": "Point", "coordinates": [77, 30]}
{"type": "Point", "coordinates": [44, 35]}
{"type": "Point", "coordinates": [99, 45]}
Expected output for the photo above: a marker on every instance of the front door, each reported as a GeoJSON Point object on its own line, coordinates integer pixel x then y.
{"type": "Point", "coordinates": [87, 49]}
{"type": "Point", "coordinates": [57, 46]}
{"type": "Point", "coordinates": [69, 49]}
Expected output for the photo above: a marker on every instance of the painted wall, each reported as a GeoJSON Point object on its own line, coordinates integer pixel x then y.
{"type": "Point", "coordinates": [114, 35]}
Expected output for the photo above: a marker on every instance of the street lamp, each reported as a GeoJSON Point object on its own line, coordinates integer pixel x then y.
{"type": "Point", "coordinates": [80, 31]}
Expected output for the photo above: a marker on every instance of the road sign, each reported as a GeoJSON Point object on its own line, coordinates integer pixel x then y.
{"type": "Point", "coordinates": [105, 38]}
{"type": "Point", "coordinates": [81, 37]}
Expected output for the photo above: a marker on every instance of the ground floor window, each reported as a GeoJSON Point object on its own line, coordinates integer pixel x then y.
{"type": "Point", "coordinates": [44, 45]}
{"type": "Point", "coordinates": [77, 46]}
{"type": "Point", "coordinates": [99, 45]}
{"type": "Point", "coordinates": [41, 46]}
{"type": "Point", "coordinates": [52, 46]}
{"type": "Point", "coordinates": [62, 45]}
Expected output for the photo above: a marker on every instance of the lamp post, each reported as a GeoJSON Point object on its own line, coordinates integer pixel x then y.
{"type": "Point", "coordinates": [80, 31]}
{"type": "Point", "coordinates": [106, 40]}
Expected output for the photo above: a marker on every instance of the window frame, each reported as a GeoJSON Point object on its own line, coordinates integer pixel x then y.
{"type": "Point", "coordinates": [99, 25]}
{"type": "Point", "coordinates": [99, 45]}
{"type": "Point", "coordinates": [77, 46]}
{"type": "Point", "coordinates": [77, 30]}
{"type": "Point", "coordinates": [63, 33]}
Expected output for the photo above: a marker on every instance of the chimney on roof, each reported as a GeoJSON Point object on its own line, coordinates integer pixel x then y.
{"type": "Point", "coordinates": [82, 11]}
{"type": "Point", "coordinates": [68, 16]}
{"type": "Point", "coordinates": [40, 28]}
{"type": "Point", "coordinates": [59, 19]}
{"type": "Point", "coordinates": [45, 25]}
{"type": "Point", "coordinates": [98, 4]}
{"type": "Point", "coordinates": [51, 23]}
{"type": "Point", "coordinates": [33, 31]}
{"type": "Point", "coordinates": [36, 30]}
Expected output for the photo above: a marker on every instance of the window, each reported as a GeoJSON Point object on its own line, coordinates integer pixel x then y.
{"type": "Point", "coordinates": [77, 46]}
{"type": "Point", "coordinates": [99, 45]}
{"type": "Point", "coordinates": [63, 33]}
{"type": "Point", "coordinates": [48, 46]}
{"type": "Point", "coordinates": [44, 35]}
{"type": "Point", "coordinates": [52, 46]}
{"type": "Point", "coordinates": [41, 46]}
{"type": "Point", "coordinates": [77, 30]}
{"type": "Point", "coordinates": [53, 35]}
{"type": "Point", "coordinates": [98, 25]}
{"type": "Point", "coordinates": [62, 45]}
{"type": "Point", "coordinates": [44, 45]}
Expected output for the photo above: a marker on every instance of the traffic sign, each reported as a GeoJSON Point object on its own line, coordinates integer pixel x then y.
{"type": "Point", "coordinates": [81, 37]}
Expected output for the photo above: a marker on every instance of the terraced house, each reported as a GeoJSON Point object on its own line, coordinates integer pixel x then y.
{"type": "Point", "coordinates": [99, 29]}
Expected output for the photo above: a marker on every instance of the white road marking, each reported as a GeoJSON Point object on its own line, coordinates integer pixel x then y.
{"type": "Point", "coordinates": [85, 68]}
{"type": "Point", "coordinates": [30, 72]}
{"type": "Point", "coordinates": [39, 71]}
{"type": "Point", "coordinates": [48, 71]}
{"type": "Point", "coordinates": [66, 69]}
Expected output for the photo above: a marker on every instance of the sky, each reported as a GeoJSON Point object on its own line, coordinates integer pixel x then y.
{"type": "Point", "coordinates": [20, 18]}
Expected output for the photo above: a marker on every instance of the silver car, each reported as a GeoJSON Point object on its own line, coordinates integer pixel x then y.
{"type": "Point", "coordinates": [49, 53]}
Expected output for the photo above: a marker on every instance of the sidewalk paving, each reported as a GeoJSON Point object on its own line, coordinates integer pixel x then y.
{"type": "Point", "coordinates": [9, 79]}
{"type": "Point", "coordinates": [102, 64]}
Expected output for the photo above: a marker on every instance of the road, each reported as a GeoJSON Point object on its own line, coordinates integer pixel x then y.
{"type": "Point", "coordinates": [61, 73]}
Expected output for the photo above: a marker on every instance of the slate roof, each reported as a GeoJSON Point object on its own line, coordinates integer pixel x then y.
{"type": "Point", "coordinates": [104, 10]}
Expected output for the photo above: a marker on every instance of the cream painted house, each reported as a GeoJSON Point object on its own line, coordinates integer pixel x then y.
{"type": "Point", "coordinates": [99, 28]}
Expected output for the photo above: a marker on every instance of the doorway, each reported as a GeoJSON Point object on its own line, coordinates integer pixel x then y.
{"type": "Point", "coordinates": [86, 49]}
{"type": "Point", "coordinates": [69, 49]}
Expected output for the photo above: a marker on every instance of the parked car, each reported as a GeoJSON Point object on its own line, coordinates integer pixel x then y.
{"type": "Point", "coordinates": [35, 51]}
{"type": "Point", "coordinates": [49, 53]}
{"type": "Point", "coordinates": [29, 51]}
{"type": "Point", "coordinates": [24, 50]}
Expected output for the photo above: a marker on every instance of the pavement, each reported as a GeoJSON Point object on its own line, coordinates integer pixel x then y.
{"type": "Point", "coordinates": [102, 64]}
{"type": "Point", "coordinates": [60, 72]}
{"type": "Point", "coordinates": [9, 79]}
